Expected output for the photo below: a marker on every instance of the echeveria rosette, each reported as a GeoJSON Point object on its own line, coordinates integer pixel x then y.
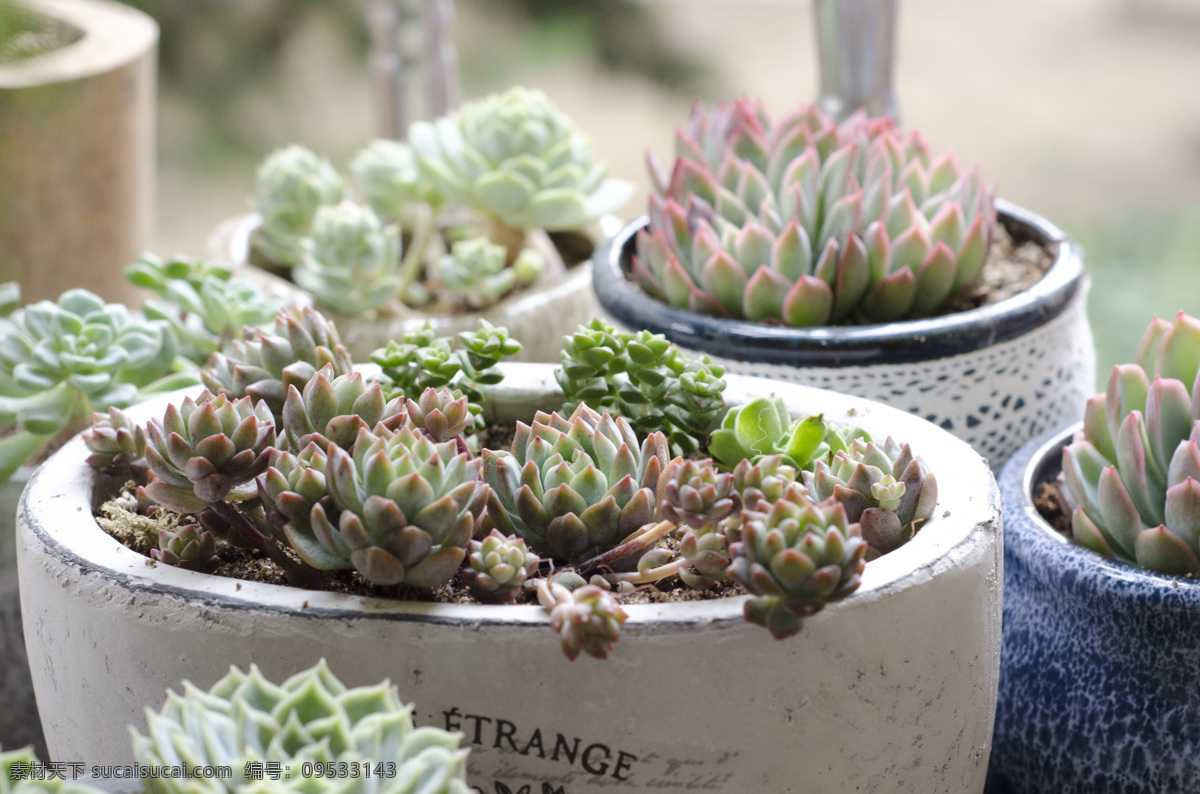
{"type": "Point", "coordinates": [802, 222]}
{"type": "Point", "coordinates": [575, 488]}
{"type": "Point", "coordinates": [497, 567]}
{"type": "Point", "coordinates": [189, 547]}
{"type": "Point", "coordinates": [292, 183]}
{"type": "Point", "coordinates": [310, 717]}
{"type": "Point", "coordinates": [408, 509]}
{"type": "Point", "coordinates": [293, 485]}
{"type": "Point", "coordinates": [61, 361]}
{"type": "Point", "coordinates": [475, 273]}
{"type": "Point", "coordinates": [763, 479]}
{"type": "Point", "coordinates": [516, 158]}
{"type": "Point", "coordinates": [208, 450]}
{"type": "Point", "coordinates": [1131, 477]}
{"type": "Point", "coordinates": [884, 488]}
{"type": "Point", "coordinates": [644, 378]}
{"type": "Point", "coordinates": [117, 446]}
{"type": "Point", "coordinates": [267, 361]}
{"type": "Point", "coordinates": [202, 303]}
{"type": "Point", "coordinates": [795, 557]}
{"type": "Point", "coordinates": [352, 261]}
{"type": "Point", "coordinates": [700, 499]}
{"type": "Point", "coordinates": [440, 413]}
{"type": "Point", "coordinates": [335, 409]}
{"type": "Point", "coordinates": [391, 182]}
{"type": "Point", "coordinates": [586, 619]}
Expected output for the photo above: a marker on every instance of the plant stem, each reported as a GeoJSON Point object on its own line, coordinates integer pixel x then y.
{"type": "Point", "coordinates": [298, 574]}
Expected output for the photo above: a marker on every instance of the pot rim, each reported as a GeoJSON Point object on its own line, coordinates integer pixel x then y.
{"type": "Point", "coordinates": [1038, 462]}
{"type": "Point", "coordinates": [61, 490]}
{"type": "Point", "coordinates": [106, 37]}
{"type": "Point", "coordinates": [840, 346]}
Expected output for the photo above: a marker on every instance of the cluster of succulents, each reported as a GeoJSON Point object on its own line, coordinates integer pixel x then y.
{"type": "Point", "coordinates": [322, 469]}
{"type": "Point", "coordinates": [244, 722]}
{"type": "Point", "coordinates": [1131, 476]}
{"type": "Point", "coordinates": [803, 222]}
{"type": "Point", "coordinates": [645, 379]}
{"type": "Point", "coordinates": [514, 162]}
{"type": "Point", "coordinates": [61, 361]}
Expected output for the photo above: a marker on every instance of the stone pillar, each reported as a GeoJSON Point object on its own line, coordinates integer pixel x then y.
{"type": "Point", "coordinates": [77, 151]}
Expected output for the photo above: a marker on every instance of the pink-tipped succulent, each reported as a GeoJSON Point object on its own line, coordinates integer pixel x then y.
{"type": "Point", "coordinates": [884, 488]}
{"type": "Point", "coordinates": [208, 450]}
{"type": "Point", "coordinates": [190, 547]}
{"type": "Point", "coordinates": [118, 446]}
{"type": "Point", "coordinates": [576, 487]}
{"type": "Point", "coordinates": [587, 619]}
{"type": "Point", "coordinates": [804, 222]}
{"type": "Point", "coordinates": [333, 409]}
{"type": "Point", "coordinates": [440, 413]}
{"type": "Point", "coordinates": [1131, 477]}
{"type": "Point", "coordinates": [497, 567]}
{"type": "Point", "coordinates": [795, 557]}
{"type": "Point", "coordinates": [696, 496]}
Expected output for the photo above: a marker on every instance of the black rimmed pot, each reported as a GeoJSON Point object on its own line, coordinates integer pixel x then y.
{"type": "Point", "coordinates": [995, 376]}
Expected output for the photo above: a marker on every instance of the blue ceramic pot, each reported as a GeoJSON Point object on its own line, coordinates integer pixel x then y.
{"type": "Point", "coordinates": [1100, 668]}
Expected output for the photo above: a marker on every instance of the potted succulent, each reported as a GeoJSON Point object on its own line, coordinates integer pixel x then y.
{"type": "Point", "coordinates": [1098, 672]}
{"type": "Point", "coordinates": [247, 733]}
{"type": "Point", "coordinates": [372, 487]}
{"type": "Point", "coordinates": [449, 227]}
{"type": "Point", "coordinates": [59, 362]}
{"type": "Point", "coordinates": [851, 256]}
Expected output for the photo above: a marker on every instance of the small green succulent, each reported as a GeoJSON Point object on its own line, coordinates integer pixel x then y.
{"type": "Point", "coordinates": [577, 487]}
{"type": "Point", "coordinates": [764, 427]}
{"type": "Point", "coordinates": [189, 547]}
{"type": "Point", "coordinates": [700, 499]}
{"type": "Point", "coordinates": [475, 272]}
{"type": "Point", "coordinates": [334, 409]}
{"type": "Point", "coordinates": [352, 261]}
{"type": "Point", "coordinates": [118, 446]}
{"type": "Point", "coordinates": [497, 567]}
{"type": "Point", "coordinates": [587, 618]}
{"type": "Point", "coordinates": [291, 185]}
{"type": "Point", "coordinates": [644, 378]}
{"type": "Point", "coordinates": [391, 182]}
{"type": "Point", "coordinates": [440, 413]}
{"type": "Point", "coordinates": [203, 304]}
{"type": "Point", "coordinates": [244, 720]}
{"type": "Point", "coordinates": [796, 556]}
{"type": "Point", "coordinates": [517, 158]}
{"type": "Point", "coordinates": [805, 222]}
{"type": "Point", "coordinates": [1131, 477]}
{"type": "Point", "coordinates": [60, 362]}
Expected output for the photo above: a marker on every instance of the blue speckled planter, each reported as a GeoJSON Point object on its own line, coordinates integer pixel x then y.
{"type": "Point", "coordinates": [1100, 668]}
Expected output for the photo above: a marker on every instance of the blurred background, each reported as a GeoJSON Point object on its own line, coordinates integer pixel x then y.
{"type": "Point", "coordinates": [1085, 111]}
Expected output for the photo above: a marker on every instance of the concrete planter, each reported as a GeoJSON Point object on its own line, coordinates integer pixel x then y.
{"type": "Point", "coordinates": [995, 376]}
{"type": "Point", "coordinates": [1100, 674]}
{"type": "Point", "coordinates": [891, 690]}
{"type": "Point", "coordinates": [77, 152]}
{"type": "Point", "coordinates": [539, 316]}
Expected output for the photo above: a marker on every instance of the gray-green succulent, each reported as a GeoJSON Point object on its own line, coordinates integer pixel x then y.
{"type": "Point", "coordinates": [291, 185]}
{"type": "Point", "coordinates": [475, 272]}
{"type": "Point", "coordinates": [587, 619]}
{"type": "Point", "coordinates": [391, 182]}
{"type": "Point", "coordinates": [351, 262]}
{"type": "Point", "coordinates": [497, 566]}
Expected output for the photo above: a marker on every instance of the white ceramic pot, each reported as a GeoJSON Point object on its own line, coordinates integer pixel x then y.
{"type": "Point", "coordinates": [995, 376]}
{"type": "Point", "coordinates": [538, 316]}
{"type": "Point", "coordinates": [890, 690]}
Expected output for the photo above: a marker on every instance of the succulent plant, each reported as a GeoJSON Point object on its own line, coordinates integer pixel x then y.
{"type": "Point", "coordinates": [265, 362]}
{"type": "Point", "coordinates": [292, 486]}
{"type": "Point", "coordinates": [795, 557]}
{"type": "Point", "coordinates": [475, 272]}
{"type": "Point", "coordinates": [644, 378]}
{"type": "Point", "coordinates": [885, 489]}
{"type": "Point", "coordinates": [700, 499]}
{"type": "Point", "coordinates": [352, 261]}
{"type": "Point", "coordinates": [466, 364]}
{"type": "Point", "coordinates": [60, 362]}
{"type": "Point", "coordinates": [291, 185]}
{"type": "Point", "coordinates": [22, 773]}
{"type": "Point", "coordinates": [207, 448]}
{"type": "Point", "coordinates": [391, 182]}
{"type": "Point", "coordinates": [1131, 477]}
{"type": "Point", "coordinates": [575, 487]}
{"type": "Point", "coordinates": [803, 222]}
{"type": "Point", "coordinates": [586, 619]}
{"type": "Point", "coordinates": [440, 413]}
{"type": "Point", "coordinates": [10, 297]}
{"type": "Point", "coordinates": [202, 303]}
{"type": "Point", "coordinates": [764, 427]}
{"type": "Point", "coordinates": [311, 717]}
{"type": "Point", "coordinates": [497, 566]}
{"type": "Point", "coordinates": [763, 479]}
{"type": "Point", "coordinates": [408, 509]}
{"type": "Point", "coordinates": [334, 409]}
{"type": "Point", "coordinates": [190, 547]}
{"type": "Point", "coordinates": [118, 445]}
{"type": "Point", "coordinates": [517, 158]}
